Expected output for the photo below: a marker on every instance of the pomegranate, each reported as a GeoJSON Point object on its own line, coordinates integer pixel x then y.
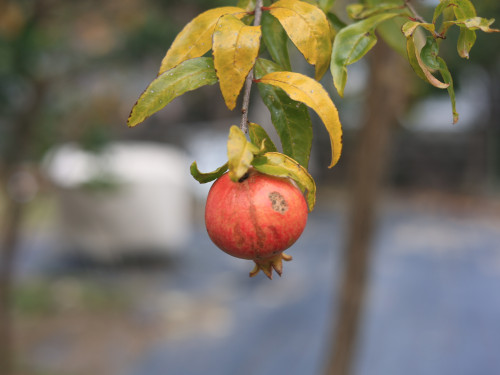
{"type": "Point", "coordinates": [256, 218]}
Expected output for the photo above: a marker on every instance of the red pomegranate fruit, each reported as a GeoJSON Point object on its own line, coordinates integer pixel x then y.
{"type": "Point", "coordinates": [256, 218]}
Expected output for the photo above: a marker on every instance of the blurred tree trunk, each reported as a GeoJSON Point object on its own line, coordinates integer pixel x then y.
{"type": "Point", "coordinates": [386, 99]}
{"type": "Point", "coordinates": [10, 235]}
{"type": "Point", "coordinates": [17, 151]}
{"type": "Point", "coordinates": [493, 130]}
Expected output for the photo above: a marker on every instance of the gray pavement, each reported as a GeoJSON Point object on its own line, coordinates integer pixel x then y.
{"type": "Point", "coordinates": [433, 304]}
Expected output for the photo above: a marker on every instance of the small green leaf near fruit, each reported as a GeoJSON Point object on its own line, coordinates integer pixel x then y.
{"type": "Point", "coordinates": [258, 136]}
{"type": "Point", "coordinates": [203, 178]}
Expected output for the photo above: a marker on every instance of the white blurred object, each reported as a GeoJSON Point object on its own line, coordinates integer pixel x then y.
{"type": "Point", "coordinates": [131, 197]}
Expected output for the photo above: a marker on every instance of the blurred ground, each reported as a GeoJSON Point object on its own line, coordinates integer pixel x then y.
{"type": "Point", "coordinates": [432, 307]}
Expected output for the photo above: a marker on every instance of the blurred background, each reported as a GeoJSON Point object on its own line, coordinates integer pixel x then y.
{"type": "Point", "coordinates": [102, 226]}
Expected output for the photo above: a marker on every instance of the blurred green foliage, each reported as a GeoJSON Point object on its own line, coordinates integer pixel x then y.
{"type": "Point", "coordinates": [72, 57]}
{"type": "Point", "coordinates": [44, 297]}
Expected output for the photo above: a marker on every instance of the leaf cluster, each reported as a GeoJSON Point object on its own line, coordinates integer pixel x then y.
{"type": "Point", "coordinates": [238, 36]}
{"type": "Point", "coordinates": [236, 47]}
{"type": "Point", "coordinates": [425, 62]}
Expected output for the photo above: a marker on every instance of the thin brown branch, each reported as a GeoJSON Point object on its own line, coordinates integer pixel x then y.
{"type": "Point", "coordinates": [419, 18]}
{"type": "Point", "coordinates": [412, 10]}
{"type": "Point", "coordinates": [249, 79]}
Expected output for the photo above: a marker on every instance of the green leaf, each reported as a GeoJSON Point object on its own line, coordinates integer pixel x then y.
{"type": "Point", "coordinates": [240, 153]}
{"type": "Point", "coordinates": [280, 165]}
{"type": "Point", "coordinates": [259, 136]}
{"type": "Point", "coordinates": [195, 39]}
{"type": "Point", "coordinates": [429, 56]}
{"type": "Point", "coordinates": [466, 18]}
{"type": "Point", "coordinates": [467, 36]}
{"type": "Point", "coordinates": [203, 178]}
{"type": "Point", "coordinates": [355, 10]}
{"type": "Point", "coordinates": [466, 40]}
{"type": "Point", "coordinates": [362, 11]}
{"type": "Point", "coordinates": [426, 60]}
{"type": "Point", "coordinates": [463, 9]}
{"type": "Point", "coordinates": [412, 57]}
{"type": "Point", "coordinates": [339, 62]}
{"type": "Point", "coordinates": [418, 65]}
{"type": "Point", "coordinates": [429, 53]}
{"type": "Point", "coordinates": [326, 5]}
{"type": "Point", "coordinates": [290, 118]}
{"type": "Point", "coordinates": [275, 39]}
{"type": "Point", "coordinates": [310, 92]}
{"type": "Point", "coordinates": [451, 10]}
{"type": "Point", "coordinates": [445, 73]}
{"type": "Point", "coordinates": [336, 23]}
{"type": "Point", "coordinates": [308, 28]}
{"type": "Point", "coordinates": [440, 8]}
{"type": "Point", "coordinates": [478, 23]}
{"type": "Point", "coordinates": [187, 76]}
{"type": "Point", "coordinates": [235, 47]}
{"type": "Point", "coordinates": [459, 9]}
{"type": "Point", "coordinates": [351, 44]}
{"type": "Point", "coordinates": [248, 5]}
{"type": "Point", "coordinates": [448, 16]}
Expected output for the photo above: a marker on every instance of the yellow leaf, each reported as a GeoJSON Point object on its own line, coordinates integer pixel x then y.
{"type": "Point", "coordinates": [409, 27]}
{"type": "Point", "coordinates": [196, 38]}
{"type": "Point", "coordinates": [306, 90]}
{"type": "Point", "coordinates": [240, 153]}
{"type": "Point", "coordinates": [309, 29]}
{"type": "Point", "coordinates": [235, 47]}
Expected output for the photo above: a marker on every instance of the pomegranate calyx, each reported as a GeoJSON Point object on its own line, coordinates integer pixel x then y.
{"type": "Point", "coordinates": [269, 264]}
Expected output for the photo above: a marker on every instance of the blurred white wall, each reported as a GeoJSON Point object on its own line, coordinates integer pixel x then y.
{"type": "Point", "coordinates": [129, 197]}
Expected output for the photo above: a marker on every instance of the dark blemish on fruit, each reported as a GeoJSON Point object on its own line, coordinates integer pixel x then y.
{"type": "Point", "coordinates": [278, 203]}
{"type": "Point", "coordinates": [244, 177]}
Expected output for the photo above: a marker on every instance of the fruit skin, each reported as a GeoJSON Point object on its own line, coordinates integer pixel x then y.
{"type": "Point", "coordinates": [256, 218]}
